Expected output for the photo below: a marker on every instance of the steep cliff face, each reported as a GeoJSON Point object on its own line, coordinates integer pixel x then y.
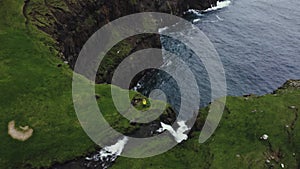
{"type": "Point", "coordinates": [199, 4]}
{"type": "Point", "coordinates": [72, 22]}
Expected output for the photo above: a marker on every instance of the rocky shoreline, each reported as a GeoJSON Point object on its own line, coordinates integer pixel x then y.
{"type": "Point", "coordinates": [93, 160]}
{"type": "Point", "coordinates": [71, 23]}
{"type": "Point", "coordinates": [148, 131]}
{"type": "Point", "coordinates": [255, 131]}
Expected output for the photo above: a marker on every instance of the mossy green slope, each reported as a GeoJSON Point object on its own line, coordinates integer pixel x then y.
{"type": "Point", "coordinates": [236, 143]}
{"type": "Point", "coordinates": [35, 91]}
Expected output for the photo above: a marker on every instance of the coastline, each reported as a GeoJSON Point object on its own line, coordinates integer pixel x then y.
{"type": "Point", "coordinates": [52, 118]}
{"type": "Point", "coordinates": [82, 163]}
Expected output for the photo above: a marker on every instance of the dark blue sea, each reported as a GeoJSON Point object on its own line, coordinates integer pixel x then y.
{"type": "Point", "coordinates": [258, 42]}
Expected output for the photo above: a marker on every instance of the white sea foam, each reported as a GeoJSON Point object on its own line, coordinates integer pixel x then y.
{"type": "Point", "coordinates": [178, 135]}
{"type": "Point", "coordinates": [219, 18]}
{"type": "Point", "coordinates": [138, 86]}
{"type": "Point", "coordinates": [160, 30]}
{"type": "Point", "coordinates": [194, 11]}
{"type": "Point", "coordinates": [220, 5]}
{"type": "Point", "coordinates": [167, 63]}
{"type": "Point", "coordinates": [196, 20]}
{"type": "Point", "coordinates": [110, 152]}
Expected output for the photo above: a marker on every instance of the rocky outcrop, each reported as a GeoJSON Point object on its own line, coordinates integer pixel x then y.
{"type": "Point", "coordinates": [72, 22]}
{"type": "Point", "coordinates": [200, 4]}
{"type": "Point", "coordinates": [294, 84]}
{"type": "Point", "coordinates": [143, 131]}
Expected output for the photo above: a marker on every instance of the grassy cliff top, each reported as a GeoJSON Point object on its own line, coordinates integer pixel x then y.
{"type": "Point", "coordinates": [35, 92]}
{"type": "Point", "coordinates": [236, 143]}
{"type": "Point", "coordinates": [35, 87]}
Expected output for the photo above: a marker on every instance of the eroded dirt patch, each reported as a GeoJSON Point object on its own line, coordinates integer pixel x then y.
{"type": "Point", "coordinates": [20, 133]}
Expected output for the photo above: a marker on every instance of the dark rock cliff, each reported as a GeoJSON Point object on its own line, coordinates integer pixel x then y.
{"type": "Point", "coordinates": [72, 22]}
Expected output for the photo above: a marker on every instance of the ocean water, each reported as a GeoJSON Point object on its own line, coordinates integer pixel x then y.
{"type": "Point", "coordinates": [258, 42]}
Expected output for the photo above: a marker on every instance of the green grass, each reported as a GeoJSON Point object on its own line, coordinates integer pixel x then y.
{"type": "Point", "coordinates": [34, 91]}
{"type": "Point", "coordinates": [237, 135]}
